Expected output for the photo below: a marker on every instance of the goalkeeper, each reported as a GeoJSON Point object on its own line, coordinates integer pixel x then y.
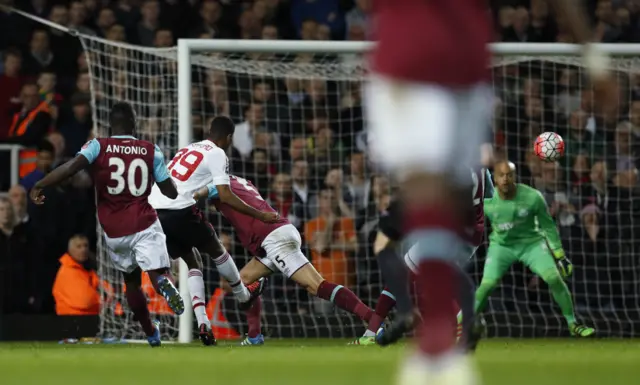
{"type": "Point", "coordinates": [523, 231]}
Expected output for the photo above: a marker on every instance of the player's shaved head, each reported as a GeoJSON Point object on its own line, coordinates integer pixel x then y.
{"type": "Point", "coordinates": [221, 131]}
{"type": "Point", "coordinates": [507, 164]}
{"type": "Point", "coordinates": [504, 173]}
{"type": "Point", "coordinates": [122, 119]}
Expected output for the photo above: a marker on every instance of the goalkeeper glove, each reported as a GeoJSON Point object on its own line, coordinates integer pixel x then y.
{"type": "Point", "coordinates": [564, 264]}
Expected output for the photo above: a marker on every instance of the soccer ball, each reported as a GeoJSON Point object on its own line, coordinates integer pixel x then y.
{"type": "Point", "coordinates": [549, 146]}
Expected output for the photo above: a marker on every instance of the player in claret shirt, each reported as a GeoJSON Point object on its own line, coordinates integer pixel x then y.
{"type": "Point", "coordinates": [429, 103]}
{"type": "Point", "coordinates": [124, 169]}
{"type": "Point", "coordinates": [523, 231]}
{"type": "Point", "coordinates": [276, 247]}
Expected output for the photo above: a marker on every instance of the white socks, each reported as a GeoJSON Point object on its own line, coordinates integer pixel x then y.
{"type": "Point", "coordinates": [229, 271]}
{"type": "Point", "coordinates": [196, 289]}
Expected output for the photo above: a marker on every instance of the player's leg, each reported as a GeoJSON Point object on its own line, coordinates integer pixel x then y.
{"type": "Point", "coordinates": [499, 259]}
{"type": "Point", "coordinates": [540, 260]}
{"type": "Point", "coordinates": [195, 282]}
{"type": "Point", "coordinates": [122, 254]}
{"type": "Point", "coordinates": [175, 224]}
{"type": "Point", "coordinates": [151, 254]}
{"type": "Point", "coordinates": [466, 301]}
{"type": "Point", "coordinates": [137, 302]}
{"type": "Point", "coordinates": [405, 117]}
{"type": "Point", "coordinates": [251, 273]}
{"type": "Point", "coordinates": [282, 247]}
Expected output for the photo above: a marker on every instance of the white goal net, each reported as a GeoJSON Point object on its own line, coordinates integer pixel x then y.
{"type": "Point", "coordinates": [300, 129]}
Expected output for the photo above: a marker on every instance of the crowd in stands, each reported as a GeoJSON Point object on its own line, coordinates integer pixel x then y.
{"type": "Point", "coordinates": [302, 142]}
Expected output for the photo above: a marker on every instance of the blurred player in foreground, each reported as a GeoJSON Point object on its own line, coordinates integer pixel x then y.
{"type": "Point", "coordinates": [523, 231]}
{"type": "Point", "coordinates": [276, 247]}
{"type": "Point", "coordinates": [386, 249]}
{"type": "Point", "coordinates": [429, 105]}
{"type": "Point", "coordinates": [193, 168]}
{"type": "Point", "coordinates": [124, 169]}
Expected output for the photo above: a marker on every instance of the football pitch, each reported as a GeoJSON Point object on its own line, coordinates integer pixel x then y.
{"type": "Point", "coordinates": [310, 362]}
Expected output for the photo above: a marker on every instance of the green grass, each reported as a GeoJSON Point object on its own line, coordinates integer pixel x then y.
{"type": "Point", "coordinates": [310, 362]}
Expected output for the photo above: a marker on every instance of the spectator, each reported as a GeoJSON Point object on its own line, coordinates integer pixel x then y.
{"type": "Point", "coordinates": [59, 146]}
{"type": "Point", "coordinates": [580, 140]}
{"type": "Point", "coordinates": [78, 18]}
{"type": "Point", "coordinates": [258, 171]}
{"type": "Point", "coordinates": [211, 24]}
{"type": "Point", "coordinates": [308, 30]}
{"type": "Point", "coordinates": [282, 199]}
{"type": "Point", "coordinates": [147, 27]}
{"type": "Point", "coordinates": [64, 45]}
{"type": "Point", "coordinates": [245, 134]}
{"type": "Point", "coordinates": [11, 82]}
{"type": "Point", "coordinates": [18, 199]}
{"type": "Point", "coordinates": [44, 163]}
{"type": "Point", "coordinates": [357, 185]}
{"type": "Point", "coordinates": [40, 57]}
{"type": "Point", "coordinates": [29, 126]}
{"type": "Point", "coordinates": [324, 12]}
{"type": "Point", "coordinates": [624, 156]}
{"type": "Point", "coordinates": [47, 82]}
{"type": "Point", "coordinates": [519, 29]}
{"type": "Point", "coordinates": [332, 239]}
{"type": "Point", "coordinates": [270, 32]}
{"type": "Point", "coordinates": [117, 33]}
{"type": "Point", "coordinates": [358, 17]}
{"type": "Point", "coordinates": [249, 25]}
{"type": "Point", "coordinates": [78, 126]}
{"type": "Point", "coordinates": [325, 153]}
{"type": "Point", "coordinates": [17, 267]}
{"type": "Point", "coordinates": [335, 181]}
{"type": "Point", "coordinates": [76, 289]}
{"type": "Point", "coordinates": [106, 19]}
{"type": "Point", "coordinates": [163, 38]}
{"type": "Point", "coordinates": [301, 191]}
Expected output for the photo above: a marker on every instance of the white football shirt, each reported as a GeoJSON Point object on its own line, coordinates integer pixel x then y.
{"type": "Point", "coordinates": [192, 168]}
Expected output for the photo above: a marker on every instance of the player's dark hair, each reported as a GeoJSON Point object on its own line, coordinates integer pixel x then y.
{"type": "Point", "coordinates": [122, 119]}
{"type": "Point", "coordinates": [45, 146]}
{"type": "Point", "coordinates": [12, 52]}
{"type": "Point", "coordinates": [221, 127]}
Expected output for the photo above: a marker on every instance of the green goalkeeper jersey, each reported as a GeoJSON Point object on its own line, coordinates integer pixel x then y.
{"type": "Point", "coordinates": [523, 219]}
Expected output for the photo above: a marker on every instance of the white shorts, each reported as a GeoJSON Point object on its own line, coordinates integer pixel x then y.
{"type": "Point", "coordinates": [426, 127]}
{"type": "Point", "coordinates": [147, 249]}
{"type": "Point", "coordinates": [412, 260]}
{"type": "Point", "coordinates": [283, 251]}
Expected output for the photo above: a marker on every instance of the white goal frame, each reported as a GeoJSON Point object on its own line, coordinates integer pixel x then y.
{"type": "Point", "coordinates": [186, 47]}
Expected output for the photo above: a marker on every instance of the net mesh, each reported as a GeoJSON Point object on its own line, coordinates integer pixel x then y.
{"type": "Point", "coordinates": [300, 128]}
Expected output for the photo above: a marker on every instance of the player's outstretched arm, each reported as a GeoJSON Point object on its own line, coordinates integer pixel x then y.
{"type": "Point", "coordinates": [57, 176]}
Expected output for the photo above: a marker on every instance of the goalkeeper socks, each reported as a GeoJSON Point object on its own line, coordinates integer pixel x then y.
{"type": "Point", "coordinates": [345, 299]}
{"type": "Point", "coordinates": [138, 305]}
{"type": "Point", "coordinates": [436, 282]}
{"type": "Point", "coordinates": [562, 296]}
{"type": "Point", "coordinates": [196, 290]}
{"type": "Point", "coordinates": [385, 303]}
{"type": "Point", "coordinates": [396, 276]}
{"type": "Point", "coordinates": [253, 318]}
{"type": "Point", "coordinates": [229, 271]}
